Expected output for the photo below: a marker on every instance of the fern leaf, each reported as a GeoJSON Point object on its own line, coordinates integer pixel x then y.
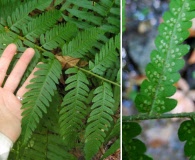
{"type": "Point", "coordinates": [186, 133]}
{"type": "Point", "coordinates": [99, 119]}
{"type": "Point", "coordinates": [105, 59]}
{"type": "Point", "coordinates": [46, 146]}
{"type": "Point", "coordinates": [7, 37]}
{"type": "Point", "coordinates": [162, 72]}
{"type": "Point", "coordinates": [103, 7]}
{"type": "Point", "coordinates": [85, 15]}
{"type": "Point", "coordinates": [42, 6]}
{"type": "Point", "coordinates": [111, 22]}
{"type": "Point", "coordinates": [7, 7]}
{"type": "Point", "coordinates": [20, 17]}
{"type": "Point", "coordinates": [40, 24]}
{"type": "Point", "coordinates": [58, 35]}
{"type": "Point", "coordinates": [83, 18]}
{"type": "Point", "coordinates": [82, 43]}
{"type": "Point", "coordinates": [92, 15]}
{"type": "Point", "coordinates": [133, 148]}
{"type": "Point", "coordinates": [87, 5]}
{"type": "Point", "coordinates": [37, 99]}
{"type": "Point", "coordinates": [74, 107]}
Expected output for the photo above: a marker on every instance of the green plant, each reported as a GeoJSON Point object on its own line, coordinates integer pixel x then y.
{"type": "Point", "coordinates": [154, 100]}
{"type": "Point", "coordinates": [71, 110]}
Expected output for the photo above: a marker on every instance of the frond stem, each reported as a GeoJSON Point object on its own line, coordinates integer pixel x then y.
{"type": "Point", "coordinates": [157, 116]}
{"type": "Point", "coordinates": [35, 46]}
{"type": "Point", "coordinates": [95, 75]}
{"type": "Point", "coordinates": [41, 49]}
{"type": "Point", "coordinates": [24, 39]}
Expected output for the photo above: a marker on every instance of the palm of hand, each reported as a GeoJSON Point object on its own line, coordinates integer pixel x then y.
{"type": "Point", "coordinates": [10, 105]}
{"type": "Point", "coordinates": [10, 114]}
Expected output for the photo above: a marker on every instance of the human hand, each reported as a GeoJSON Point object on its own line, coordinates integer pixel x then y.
{"type": "Point", "coordinates": [10, 105]}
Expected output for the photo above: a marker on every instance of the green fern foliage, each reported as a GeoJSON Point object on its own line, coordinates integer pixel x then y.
{"type": "Point", "coordinates": [46, 142]}
{"type": "Point", "coordinates": [108, 14]}
{"type": "Point", "coordinates": [57, 35]}
{"type": "Point", "coordinates": [36, 101]}
{"type": "Point", "coordinates": [20, 15]}
{"type": "Point", "coordinates": [74, 107]}
{"type": "Point", "coordinates": [106, 58]}
{"type": "Point", "coordinates": [99, 119]}
{"type": "Point", "coordinates": [186, 133]}
{"type": "Point", "coordinates": [47, 147]}
{"type": "Point", "coordinates": [133, 148]}
{"type": "Point", "coordinates": [82, 31]}
{"type": "Point", "coordinates": [82, 43]}
{"type": "Point", "coordinates": [166, 61]}
{"type": "Point", "coordinates": [40, 24]}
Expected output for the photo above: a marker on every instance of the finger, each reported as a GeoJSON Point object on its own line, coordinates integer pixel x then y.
{"type": "Point", "coordinates": [15, 76]}
{"type": "Point", "coordinates": [23, 88]}
{"type": "Point", "coordinates": [5, 60]}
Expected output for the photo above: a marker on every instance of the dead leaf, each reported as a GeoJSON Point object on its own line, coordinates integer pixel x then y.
{"type": "Point", "coordinates": [68, 62]}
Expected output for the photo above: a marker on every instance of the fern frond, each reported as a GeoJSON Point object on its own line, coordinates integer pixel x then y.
{"type": "Point", "coordinates": [58, 35]}
{"type": "Point", "coordinates": [74, 107]}
{"type": "Point", "coordinates": [82, 43]}
{"type": "Point", "coordinates": [20, 17]}
{"type": "Point", "coordinates": [37, 100]}
{"type": "Point", "coordinates": [133, 148]}
{"type": "Point", "coordinates": [99, 119]}
{"type": "Point", "coordinates": [40, 24]}
{"type": "Point", "coordinates": [167, 60]}
{"type": "Point", "coordinates": [111, 22]}
{"type": "Point", "coordinates": [7, 37]}
{"type": "Point", "coordinates": [42, 6]}
{"type": "Point", "coordinates": [105, 59]}
{"type": "Point", "coordinates": [186, 133]}
{"type": "Point", "coordinates": [87, 14]}
{"type": "Point", "coordinates": [87, 5]}
{"type": "Point", "coordinates": [46, 146]}
{"type": "Point", "coordinates": [103, 7]}
{"type": "Point", "coordinates": [7, 7]}
{"type": "Point", "coordinates": [80, 19]}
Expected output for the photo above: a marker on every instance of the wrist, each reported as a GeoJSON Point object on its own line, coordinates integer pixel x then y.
{"type": "Point", "coordinates": [11, 131]}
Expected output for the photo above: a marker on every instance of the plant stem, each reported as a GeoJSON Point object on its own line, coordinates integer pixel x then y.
{"type": "Point", "coordinates": [95, 75]}
{"type": "Point", "coordinates": [24, 39]}
{"type": "Point", "coordinates": [157, 116]}
{"type": "Point", "coordinates": [40, 48]}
